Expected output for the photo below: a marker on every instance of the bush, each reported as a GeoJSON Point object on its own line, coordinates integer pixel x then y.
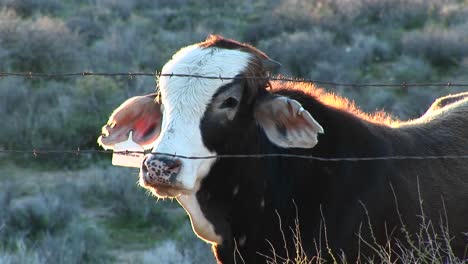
{"type": "Point", "coordinates": [442, 47]}
{"type": "Point", "coordinates": [315, 55]}
{"type": "Point", "coordinates": [169, 252]}
{"type": "Point", "coordinates": [47, 227]}
{"type": "Point", "coordinates": [28, 7]}
{"type": "Point", "coordinates": [23, 255]}
{"type": "Point", "coordinates": [40, 45]}
{"type": "Point", "coordinates": [187, 248]}
{"type": "Point", "coordinates": [302, 52]}
{"type": "Point", "coordinates": [404, 14]}
{"type": "Point", "coordinates": [409, 69]}
{"type": "Point", "coordinates": [87, 26]}
{"type": "Point", "coordinates": [35, 216]}
{"type": "Point", "coordinates": [57, 115]}
{"type": "Point", "coordinates": [79, 243]}
{"type": "Point", "coordinates": [118, 190]}
{"type": "Point", "coordinates": [454, 14]}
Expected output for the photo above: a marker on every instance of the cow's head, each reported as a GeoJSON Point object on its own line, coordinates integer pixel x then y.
{"type": "Point", "coordinates": [194, 115]}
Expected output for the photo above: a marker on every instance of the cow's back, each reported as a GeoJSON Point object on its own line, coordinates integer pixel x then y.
{"type": "Point", "coordinates": [440, 184]}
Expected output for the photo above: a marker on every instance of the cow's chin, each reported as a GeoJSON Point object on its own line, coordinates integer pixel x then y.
{"type": "Point", "coordinates": [163, 190]}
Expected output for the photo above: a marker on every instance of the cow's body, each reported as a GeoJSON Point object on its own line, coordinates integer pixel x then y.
{"type": "Point", "coordinates": [242, 197]}
{"type": "Point", "coordinates": [253, 208]}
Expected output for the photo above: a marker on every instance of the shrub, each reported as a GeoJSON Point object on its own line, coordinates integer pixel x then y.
{"type": "Point", "coordinates": [22, 256]}
{"type": "Point", "coordinates": [28, 7]}
{"type": "Point", "coordinates": [87, 26]}
{"type": "Point", "coordinates": [454, 14]}
{"type": "Point", "coordinates": [40, 45]}
{"type": "Point", "coordinates": [302, 52]}
{"type": "Point", "coordinates": [35, 216]}
{"type": "Point", "coordinates": [187, 249]}
{"type": "Point", "coordinates": [79, 243]}
{"type": "Point", "coordinates": [405, 14]}
{"type": "Point", "coordinates": [130, 204]}
{"type": "Point", "coordinates": [118, 51]}
{"type": "Point", "coordinates": [410, 69]}
{"type": "Point", "coordinates": [285, 17]}
{"type": "Point", "coordinates": [58, 115]}
{"type": "Point", "coordinates": [315, 55]}
{"type": "Point", "coordinates": [47, 227]}
{"type": "Point", "coordinates": [122, 9]}
{"type": "Point", "coordinates": [441, 47]}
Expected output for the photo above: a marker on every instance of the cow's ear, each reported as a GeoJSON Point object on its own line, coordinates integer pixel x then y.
{"type": "Point", "coordinates": [286, 123]}
{"type": "Point", "coordinates": [140, 114]}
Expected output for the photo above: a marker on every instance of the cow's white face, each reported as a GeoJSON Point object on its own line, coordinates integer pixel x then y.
{"type": "Point", "coordinates": [193, 116]}
{"type": "Point", "coordinates": [184, 102]}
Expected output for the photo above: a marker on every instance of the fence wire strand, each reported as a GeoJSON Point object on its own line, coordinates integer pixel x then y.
{"type": "Point", "coordinates": [78, 152]}
{"type": "Point", "coordinates": [159, 74]}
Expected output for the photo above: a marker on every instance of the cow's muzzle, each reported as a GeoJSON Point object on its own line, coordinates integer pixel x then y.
{"type": "Point", "coordinates": [161, 171]}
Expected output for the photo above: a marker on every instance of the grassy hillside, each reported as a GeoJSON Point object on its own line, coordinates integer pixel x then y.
{"type": "Point", "coordinates": [68, 209]}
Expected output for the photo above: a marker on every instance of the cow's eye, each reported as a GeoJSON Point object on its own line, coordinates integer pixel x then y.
{"type": "Point", "coordinates": [230, 102]}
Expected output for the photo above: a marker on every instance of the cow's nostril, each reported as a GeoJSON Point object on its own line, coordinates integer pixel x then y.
{"type": "Point", "coordinates": [174, 164]}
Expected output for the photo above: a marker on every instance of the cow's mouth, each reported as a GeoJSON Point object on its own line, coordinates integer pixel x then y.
{"type": "Point", "coordinates": [162, 190]}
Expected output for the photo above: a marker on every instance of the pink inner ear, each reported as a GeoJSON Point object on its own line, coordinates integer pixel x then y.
{"type": "Point", "coordinates": [145, 131]}
{"type": "Point", "coordinates": [140, 127]}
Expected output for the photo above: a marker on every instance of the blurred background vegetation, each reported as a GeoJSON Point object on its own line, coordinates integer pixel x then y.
{"type": "Point", "coordinates": [67, 209]}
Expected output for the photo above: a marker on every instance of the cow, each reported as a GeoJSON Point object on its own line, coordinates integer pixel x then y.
{"type": "Point", "coordinates": [254, 209]}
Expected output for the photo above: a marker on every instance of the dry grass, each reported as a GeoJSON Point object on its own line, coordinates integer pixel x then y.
{"type": "Point", "coordinates": [431, 244]}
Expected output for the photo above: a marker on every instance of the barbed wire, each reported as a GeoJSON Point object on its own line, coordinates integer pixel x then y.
{"type": "Point", "coordinates": [78, 152]}
{"type": "Point", "coordinates": [36, 152]}
{"type": "Point", "coordinates": [158, 74]}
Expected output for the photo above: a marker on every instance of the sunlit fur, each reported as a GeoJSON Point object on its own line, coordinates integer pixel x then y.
{"type": "Point", "coordinates": [442, 106]}
{"type": "Point", "coordinates": [335, 101]}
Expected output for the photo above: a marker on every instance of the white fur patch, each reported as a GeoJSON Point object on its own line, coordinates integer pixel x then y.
{"type": "Point", "coordinates": [201, 226]}
{"type": "Point", "coordinates": [185, 100]}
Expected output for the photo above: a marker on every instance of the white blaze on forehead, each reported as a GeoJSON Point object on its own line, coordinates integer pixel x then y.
{"type": "Point", "coordinates": [185, 100]}
{"type": "Point", "coordinates": [190, 95]}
